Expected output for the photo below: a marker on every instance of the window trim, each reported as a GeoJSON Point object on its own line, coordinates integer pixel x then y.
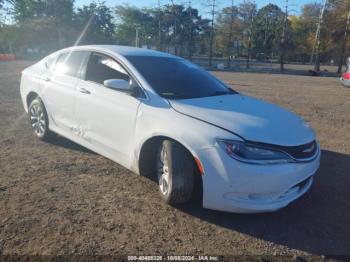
{"type": "Point", "coordinates": [107, 56]}
{"type": "Point", "coordinates": [144, 95]}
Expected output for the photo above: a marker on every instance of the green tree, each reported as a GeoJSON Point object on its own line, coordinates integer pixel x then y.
{"type": "Point", "coordinates": [22, 10]}
{"type": "Point", "coordinates": [335, 38]}
{"type": "Point", "coordinates": [180, 27]}
{"type": "Point", "coordinates": [42, 24]}
{"type": "Point", "coordinates": [98, 21]}
{"type": "Point", "coordinates": [303, 30]}
{"type": "Point", "coordinates": [194, 27]}
{"type": "Point", "coordinates": [129, 19]}
{"type": "Point", "coordinates": [248, 12]}
{"type": "Point", "coordinates": [8, 38]}
{"type": "Point", "coordinates": [267, 30]}
{"type": "Point", "coordinates": [229, 30]}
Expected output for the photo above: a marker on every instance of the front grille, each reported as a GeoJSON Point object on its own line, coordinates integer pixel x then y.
{"type": "Point", "coordinates": [302, 152]}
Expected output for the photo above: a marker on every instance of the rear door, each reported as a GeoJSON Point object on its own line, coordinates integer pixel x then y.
{"type": "Point", "coordinates": [60, 90]}
{"type": "Point", "coordinates": [106, 117]}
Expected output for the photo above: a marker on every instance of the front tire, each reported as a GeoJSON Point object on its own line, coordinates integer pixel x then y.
{"type": "Point", "coordinates": [175, 172]}
{"type": "Point", "coordinates": [39, 120]}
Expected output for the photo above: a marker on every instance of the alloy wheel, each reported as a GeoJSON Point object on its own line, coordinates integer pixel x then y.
{"type": "Point", "coordinates": [163, 175]}
{"type": "Point", "coordinates": [37, 119]}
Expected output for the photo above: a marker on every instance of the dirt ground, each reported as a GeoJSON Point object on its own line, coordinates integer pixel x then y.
{"type": "Point", "coordinates": [60, 199]}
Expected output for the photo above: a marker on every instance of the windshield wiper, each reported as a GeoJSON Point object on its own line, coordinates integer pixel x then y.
{"type": "Point", "coordinates": [220, 93]}
{"type": "Point", "coordinates": [178, 96]}
{"type": "Point", "coordinates": [189, 96]}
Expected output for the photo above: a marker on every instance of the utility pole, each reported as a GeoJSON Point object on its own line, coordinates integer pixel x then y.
{"type": "Point", "coordinates": [230, 34]}
{"type": "Point", "coordinates": [249, 47]}
{"type": "Point", "coordinates": [265, 32]}
{"type": "Point", "coordinates": [137, 37]}
{"type": "Point", "coordinates": [283, 39]}
{"type": "Point", "coordinates": [317, 39]}
{"type": "Point", "coordinates": [341, 59]}
{"type": "Point", "coordinates": [159, 29]}
{"type": "Point", "coordinates": [211, 40]}
{"type": "Point", "coordinates": [190, 43]}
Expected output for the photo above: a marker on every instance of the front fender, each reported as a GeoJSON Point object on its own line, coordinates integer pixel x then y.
{"type": "Point", "coordinates": [193, 134]}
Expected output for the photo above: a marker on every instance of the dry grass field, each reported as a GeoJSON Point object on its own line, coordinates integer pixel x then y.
{"type": "Point", "coordinates": [59, 198]}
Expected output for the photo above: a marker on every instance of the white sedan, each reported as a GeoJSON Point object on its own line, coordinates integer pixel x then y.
{"type": "Point", "coordinates": [165, 118]}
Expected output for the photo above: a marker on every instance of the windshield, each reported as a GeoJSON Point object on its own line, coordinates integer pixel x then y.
{"type": "Point", "coordinates": [176, 78]}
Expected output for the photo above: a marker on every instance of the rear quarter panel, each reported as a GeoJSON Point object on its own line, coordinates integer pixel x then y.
{"type": "Point", "coordinates": [31, 81]}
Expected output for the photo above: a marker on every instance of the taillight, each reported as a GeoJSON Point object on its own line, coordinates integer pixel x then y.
{"type": "Point", "coordinates": [346, 76]}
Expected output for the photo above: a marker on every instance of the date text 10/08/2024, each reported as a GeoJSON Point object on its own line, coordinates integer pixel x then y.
{"type": "Point", "coordinates": [174, 258]}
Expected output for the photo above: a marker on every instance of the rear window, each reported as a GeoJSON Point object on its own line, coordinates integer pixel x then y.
{"type": "Point", "coordinates": [49, 61]}
{"type": "Point", "coordinates": [69, 63]}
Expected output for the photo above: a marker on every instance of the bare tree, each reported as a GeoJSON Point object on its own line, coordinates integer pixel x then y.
{"type": "Point", "coordinates": [250, 17]}
{"type": "Point", "coordinates": [316, 49]}
{"type": "Point", "coordinates": [342, 52]}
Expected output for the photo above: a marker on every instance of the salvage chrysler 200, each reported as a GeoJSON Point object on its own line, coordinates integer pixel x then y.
{"type": "Point", "coordinates": [164, 117]}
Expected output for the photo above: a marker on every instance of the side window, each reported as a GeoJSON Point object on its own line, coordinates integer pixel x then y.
{"type": "Point", "coordinates": [70, 63]}
{"type": "Point", "coordinates": [101, 68]}
{"type": "Point", "coordinates": [49, 62]}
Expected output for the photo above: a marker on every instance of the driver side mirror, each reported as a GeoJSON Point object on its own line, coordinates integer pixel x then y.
{"type": "Point", "coordinates": [119, 85]}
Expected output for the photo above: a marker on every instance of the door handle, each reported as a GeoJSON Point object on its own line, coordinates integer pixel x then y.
{"type": "Point", "coordinates": [84, 91]}
{"type": "Point", "coordinates": [46, 79]}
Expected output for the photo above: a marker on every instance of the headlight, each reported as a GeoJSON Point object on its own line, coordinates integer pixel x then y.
{"type": "Point", "coordinates": [253, 153]}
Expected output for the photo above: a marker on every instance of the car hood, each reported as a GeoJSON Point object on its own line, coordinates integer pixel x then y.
{"type": "Point", "coordinates": [248, 117]}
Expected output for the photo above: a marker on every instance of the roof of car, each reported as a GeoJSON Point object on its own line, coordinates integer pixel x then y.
{"type": "Point", "coordinates": [123, 50]}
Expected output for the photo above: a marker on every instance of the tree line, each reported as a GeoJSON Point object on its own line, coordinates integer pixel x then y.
{"type": "Point", "coordinates": [38, 27]}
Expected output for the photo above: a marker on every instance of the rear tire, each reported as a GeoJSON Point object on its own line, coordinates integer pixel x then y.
{"type": "Point", "coordinates": [175, 172]}
{"type": "Point", "coordinates": [39, 120]}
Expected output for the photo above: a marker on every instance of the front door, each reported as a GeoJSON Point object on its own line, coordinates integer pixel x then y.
{"type": "Point", "coordinates": [106, 117]}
